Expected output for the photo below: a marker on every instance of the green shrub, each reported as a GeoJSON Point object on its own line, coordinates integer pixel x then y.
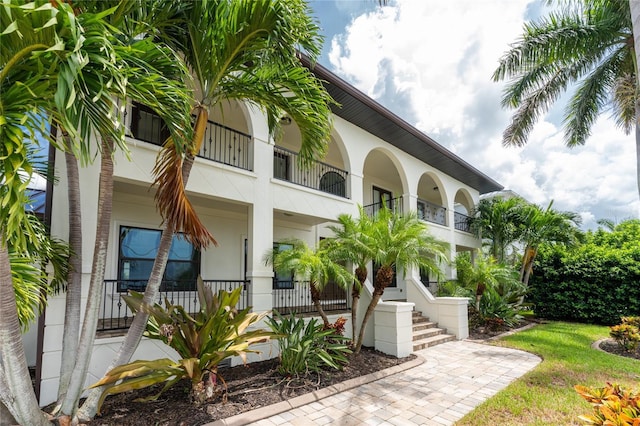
{"type": "Point", "coordinates": [203, 340]}
{"type": "Point", "coordinates": [307, 347]}
{"type": "Point", "coordinates": [595, 283]}
{"type": "Point", "coordinates": [612, 405]}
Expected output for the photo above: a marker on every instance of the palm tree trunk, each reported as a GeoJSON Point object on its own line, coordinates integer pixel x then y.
{"type": "Point", "coordinates": [74, 280]}
{"type": "Point", "coordinates": [361, 275]}
{"type": "Point", "coordinates": [315, 298]}
{"type": "Point", "coordinates": [96, 285]}
{"type": "Point", "coordinates": [634, 6]}
{"type": "Point", "coordinates": [17, 393]}
{"type": "Point", "coordinates": [382, 280]}
{"type": "Point", "coordinates": [529, 269]}
{"type": "Point", "coordinates": [139, 323]}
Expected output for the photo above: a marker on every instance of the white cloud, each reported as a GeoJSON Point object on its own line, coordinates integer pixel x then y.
{"type": "Point", "coordinates": [441, 55]}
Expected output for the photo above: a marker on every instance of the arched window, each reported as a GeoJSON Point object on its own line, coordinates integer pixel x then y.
{"type": "Point", "coordinates": [333, 183]}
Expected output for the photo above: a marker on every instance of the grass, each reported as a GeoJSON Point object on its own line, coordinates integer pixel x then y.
{"type": "Point", "coordinates": [545, 395]}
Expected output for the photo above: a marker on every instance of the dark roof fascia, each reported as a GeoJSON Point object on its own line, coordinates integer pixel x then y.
{"type": "Point", "coordinates": [381, 122]}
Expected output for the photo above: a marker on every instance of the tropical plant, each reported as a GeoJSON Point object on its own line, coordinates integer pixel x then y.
{"type": "Point", "coordinates": [350, 243]}
{"type": "Point", "coordinates": [627, 333]}
{"type": "Point", "coordinates": [497, 221]}
{"type": "Point", "coordinates": [202, 340]}
{"type": "Point", "coordinates": [313, 265]}
{"type": "Point", "coordinates": [399, 241]}
{"type": "Point", "coordinates": [306, 346]}
{"type": "Point", "coordinates": [544, 226]}
{"type": "Point", "coordinates": [245, 50]}
{"type": "Point", "coordinates": [586, 43]}
{"type": "Point", "coordinates": [612, 405]}
{"type": "Point", "coordinates": [495, 310]}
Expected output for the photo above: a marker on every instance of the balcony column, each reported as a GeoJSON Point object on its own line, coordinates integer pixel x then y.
{"type": "Point", "coordinates": [356, 188]}
{"type": "Point", "coordinates": [450, 271]}
{"type": "Point", "coordinates": [260, 226]}
{"type": "Point", "coordinates": [409, 203]}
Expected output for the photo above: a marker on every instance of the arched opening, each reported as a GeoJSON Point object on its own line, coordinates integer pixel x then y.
{"type": "Point", "coordinates": [383, 182]}
{"type": "Point", "coordinates": [431, 200]}
{"type": "Point", "coordinates": [462, 206]}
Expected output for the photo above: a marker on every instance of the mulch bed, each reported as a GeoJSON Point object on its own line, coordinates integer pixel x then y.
{"type": "Point", "coordinates": [612, 347]}
{"type": "Point", "coordinates": [249, 387]}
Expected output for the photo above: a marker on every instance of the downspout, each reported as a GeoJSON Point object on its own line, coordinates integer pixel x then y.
{"type": "Point", "coordinates": [48, 203]}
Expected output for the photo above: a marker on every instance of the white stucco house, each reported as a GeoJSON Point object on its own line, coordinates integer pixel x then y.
{"type": "Point", "coordinates": [251, 195]}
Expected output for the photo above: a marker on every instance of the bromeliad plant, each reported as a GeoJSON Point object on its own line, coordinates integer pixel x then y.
{"type": "Point", "coordinates": [308, 346]}
{"type": "Point", "coordinates": [203, 340]}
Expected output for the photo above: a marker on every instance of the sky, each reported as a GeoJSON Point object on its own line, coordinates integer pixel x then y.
{"type": "Point", "coordinates": [431, 61]}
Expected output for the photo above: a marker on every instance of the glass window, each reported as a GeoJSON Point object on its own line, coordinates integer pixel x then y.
{"type": "Point", "coordinates": [137, 253]}
{"type": "Point", "coordinates": [282, 280]}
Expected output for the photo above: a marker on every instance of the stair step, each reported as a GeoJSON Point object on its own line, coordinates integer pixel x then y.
{"type": "Point", "coordinates": [423, 325]}
{"type": "Point", "coordinates": [419, 320]}
{"type": "Point", "coordinates": [423, 334]}
{"type": "Point", "coordinates": [432, 341]}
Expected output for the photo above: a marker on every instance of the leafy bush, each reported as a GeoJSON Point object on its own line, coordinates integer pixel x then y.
{"type": "Point", "coordinates": [496, 311]}
{"type": "Point", "coordinates": [595, 283]}
{"type": "Point", "coordinates": [612, 405]}
{"type": "Point", "coordinates": [627, 334]}
{"type": "Point", "coordinates": [203, 340]}
{"type": "Point", "coordinates": [307, 347]}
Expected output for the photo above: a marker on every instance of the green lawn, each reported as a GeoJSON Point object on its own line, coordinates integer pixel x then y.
{"type": "Point", "coordinates": [545, 395]}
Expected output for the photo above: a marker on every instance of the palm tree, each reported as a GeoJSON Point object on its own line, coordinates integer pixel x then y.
{"type": "Point", "coordinates": [313, 265]}
{"type": "Point", "coordinates": [350, 244]}
{"type": "Point", "coordinates": [399, 241]}
{"type": "Point", "coordinates": [496, 221]}
{"type": "Point", "coordinates": [589, 44]}
{"type": "Point", "coordinates": [544, 226]}
{"type": "Point", "coordinates": [245, 50]}
{"type": "Point", "coordinates": [69, 66]}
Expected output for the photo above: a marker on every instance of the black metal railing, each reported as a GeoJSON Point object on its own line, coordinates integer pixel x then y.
{"type": "Point", "coordinates": [295, 297]}
{"type": "Point", "coordinates": [395, 205]}
{"type": "Point", "coordinates": [318, 175]}
{"type": "Point", "coordinates": [432, 212]}
{"type": "Point", "coordinates": [221, 144]}
{"type": "Point", "coordinates": [116, 315]}
{"type": "Point", "coordinates": [462, 222]}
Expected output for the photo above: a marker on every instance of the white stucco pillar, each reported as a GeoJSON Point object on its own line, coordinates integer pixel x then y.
{"type": "Point", "coordinates": [260, 217]}
{"type": "Point", "coordinates": [357, 190]}
{"type": "Point", "coordinates": [393, 328]}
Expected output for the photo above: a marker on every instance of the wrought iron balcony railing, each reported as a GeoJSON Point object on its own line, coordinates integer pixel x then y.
{"type": "Point", "coordinates": [318, 175]}
{"type": "Point", "coordinates": [295, 297]}
{"type": "Point", "coordinates": [221, 144]}
{"type": "Point", "coordinates": [462, 222]}
{"type": "Point", "coordinates": [431, 212]}
{"type": "Point", "coordinates": [394, 204]}
{"type": "Point", "coordinates": [116, 315]}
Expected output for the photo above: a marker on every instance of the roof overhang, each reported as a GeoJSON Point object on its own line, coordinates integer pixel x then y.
{"type": "Point", "coordinates": [359, 109]}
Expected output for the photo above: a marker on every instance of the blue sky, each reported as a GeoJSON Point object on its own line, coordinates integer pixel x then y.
{"type": "Point", "coordinates": [430, 61]}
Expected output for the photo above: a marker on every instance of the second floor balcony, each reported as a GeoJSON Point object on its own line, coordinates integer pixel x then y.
{"type": "Point", "coordinates": [432, 212]}
{"type": "Point", "coordinates": [320, 176]}
{"type": "Point", "coordinates": [221, 144]}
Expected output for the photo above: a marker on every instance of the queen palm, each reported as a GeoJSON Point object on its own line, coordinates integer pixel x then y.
{"type": "Point", "coordinates": [245, 50]}
{"type": "Point", "coordinates": [589, 44]}
{"type": "Point", "coordinates": [544, 226]}
{"type": "Point", "coordinates": [313, 265]}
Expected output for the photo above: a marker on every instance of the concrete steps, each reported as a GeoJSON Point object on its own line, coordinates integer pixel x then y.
{"type": "Point", "coordinates": [427, 333]}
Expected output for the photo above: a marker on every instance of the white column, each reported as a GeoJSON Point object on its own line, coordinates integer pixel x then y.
{"type": "Point", "coordinates": [260, 238]}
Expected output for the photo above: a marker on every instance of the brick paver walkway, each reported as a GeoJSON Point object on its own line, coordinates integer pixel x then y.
{"type": "Point", "coordinates": [456, 377]}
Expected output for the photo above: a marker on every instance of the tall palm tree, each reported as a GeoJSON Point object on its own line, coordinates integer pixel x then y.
{"type": "Point", "coordinates": [351, 244]}
{"type": "Point", "coordinates": [589, 44]}
{"type": "Point", "coordinates": [544, 226]}
{"type": "Point", "coordinates": [496, 220]}
{"type": "Point", "coordinates": [245, 50]}
{"type": "Point", "coordinates": [71, 67]}
{"type": "Point", "coordinates": [313, 265]}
